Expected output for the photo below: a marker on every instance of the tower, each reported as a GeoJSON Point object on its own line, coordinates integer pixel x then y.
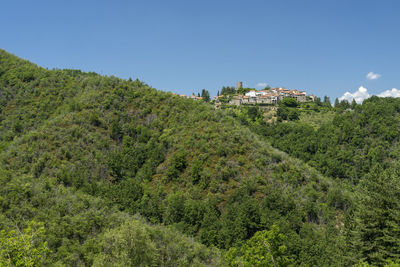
{"type": "Point", "coordinates": [239, 85]}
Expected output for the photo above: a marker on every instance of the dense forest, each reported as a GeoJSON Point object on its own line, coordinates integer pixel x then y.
{"type": "Point", "coordinates": [97, 170]}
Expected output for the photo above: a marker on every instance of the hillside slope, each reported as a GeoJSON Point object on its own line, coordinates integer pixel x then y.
{"type": "Point", "coordinates": [358, 145]}
{"type": "Point", "coordinates": [82, 153]}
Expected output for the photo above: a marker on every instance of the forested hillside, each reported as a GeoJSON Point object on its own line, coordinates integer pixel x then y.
{"type": "Point", "coordinates": [358, 146]}
{"type": "Point", "coordinates": [104, 171]}
{"type": "Point", "coordinates": [347, 145]}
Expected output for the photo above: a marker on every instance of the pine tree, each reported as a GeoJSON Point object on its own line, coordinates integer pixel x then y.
{"type": "Point", "coordinates": [327, 101]}
{"type": "Point", "coordinates": [205, 95]}
{"type": "Point", "coordinates": [378, 216]}
{"type": "Point", "coordinates": [337, 104]}
{"type": "Point", "coordinates": [353, 104]}
{"type": "Point", "coordinates": [345, 104]}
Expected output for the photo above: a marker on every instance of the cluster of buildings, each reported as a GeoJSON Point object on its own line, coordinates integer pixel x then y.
{"type": "Point", "coordinates": [266, 96]}
{"type": "Point", "coordinates": [270, 96]}
{"type": "Point", "coordinates": [194, 97]}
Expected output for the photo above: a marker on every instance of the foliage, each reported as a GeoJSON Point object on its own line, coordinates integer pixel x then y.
{"type": "Point", "coordinates": [327, 101]}
{"type": "Point", "coordinates": [347, 146]}
{"type": "Point", "coordinates": [285, 113]}
{"type": "Point", "coordinates": [265, 248]}
{"type": "Point", "coordinates": [83, 153]}
{"type": "Point", "coordinates": [205, 95]}
{"type": "Point", "coordinates": [23, 248]}
{"type": "Point", "coordinates": [378, 217]}
{"type": "Point", "coordinates": [288, 102]}
{"type": "Point", "coordinates": [137, 244]}
{"type": "Point", "coordinates": [228, 90]}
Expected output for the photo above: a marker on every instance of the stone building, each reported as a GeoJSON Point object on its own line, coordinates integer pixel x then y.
{"type": "Point", "coordinates": [239, 85]}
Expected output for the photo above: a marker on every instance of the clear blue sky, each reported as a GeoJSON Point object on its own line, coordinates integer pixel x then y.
{"type": "Point", "coordinates": [324, 47]}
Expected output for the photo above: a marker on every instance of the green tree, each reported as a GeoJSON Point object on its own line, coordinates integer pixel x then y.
{"type": "Point", "coordinates": [205, 95]}
{"type": "Point", "coordinates": [293, 115]}
{"type": "Point", "coordinates": [254, 113]}
{"type": "Point", "coordinates": [116, 130]}
{"type": "Point", "coordinates": [23, 248]}
{"type": "Point", "coordinates": [353, 104]}
{"type": "Point", "coordinates": [265, 248]}
{"type": "Point", "coordinates": [318, 101]}
{"type": "Point", "coordinates": [378, 216]}
{"type": "Point", "coordinates": [175, 208]}
{"type": "Point", "coordinates": [226, 90]}
{"type": "Point", "coordinates": [282, 113]}
{"type": "Point", "coordinates": [177, 165]}
{"type": "Point", "coordinates": [289, 102]}
{"type": "Point", "coordinates": [196, 171]}
{"type": "Point", "coordinates": [344, 104]}
{"type": "Point", "coordinates": [137, 244]}
{"type": "Point", "coordinates": [327, 101]}
{"type": "Point", "coordinates": [337, 103]}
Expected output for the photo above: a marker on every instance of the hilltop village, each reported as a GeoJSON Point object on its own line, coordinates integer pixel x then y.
{"type": "Point", "coordinates": [250, 96]}
{"type": "Point", "coordinates": [244, 96]}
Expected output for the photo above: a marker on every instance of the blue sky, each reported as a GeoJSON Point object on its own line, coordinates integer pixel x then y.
{"type": "Point", "coordinates": [324, 47]}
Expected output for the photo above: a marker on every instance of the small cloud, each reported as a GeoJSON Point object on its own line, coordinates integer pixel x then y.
{"type": "Point", "coordinates": [390, 93]}
{"type": "Point", "coordinates": [360, 95]}
{"type": "Point", "coordinates": [261, 84]}
{"type": "Point", "coordinates": [373, 76]}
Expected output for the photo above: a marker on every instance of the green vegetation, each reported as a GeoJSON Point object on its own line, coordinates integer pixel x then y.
{"type": "Point", "coordinates": [347, 145]}
{"type": "Point", "coordinates": [108, 172]}
{"type": "Point", "coordinates": [228, 90]}
{"type": "Point", "coordinates": [358, 146]}
{"type": "Point", "coordinates": [23, 248]}
{"type": "Point", "coordinates": [137, 244]}
{"type": "Point", "coordinates": [205, 95]}
{"type": "Point", "coordinates": [315, 119]}
{"type": "Point", "coordinates": [265, 248]}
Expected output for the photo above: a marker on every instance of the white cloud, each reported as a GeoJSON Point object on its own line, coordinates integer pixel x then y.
{"type": "Point", "coordinates": [390, 93]}
{"type": "Point", "coordinates": [362, 93]}
{"type": "Point", "coordinates": [261, 84]}
{"type": "Point", "coordinates": [373, 76]}
{"type": "Point", "coordinates": [359, 95]}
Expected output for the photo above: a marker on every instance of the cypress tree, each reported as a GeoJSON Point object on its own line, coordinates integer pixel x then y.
{"type": "Point", "coordinates": [353, 104]}
{"type": "Point", "coordinates": [337, 104]}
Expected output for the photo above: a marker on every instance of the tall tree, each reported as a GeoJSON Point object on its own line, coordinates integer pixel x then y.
{"type": "Point", "coordinates": [205, 95]}
{"type": "Point", "coordinates": [226, 90]}
{"type": "Point", "coordinates": [327, 101]}
{"type": "Point", "coordinates": [378, 216]}
{"type": "Point", "coordinates": [345, 104]}
{"type": "Point", "coordinates": [353, 104]}
{"type": "Point", "coordinates": [337, 103]}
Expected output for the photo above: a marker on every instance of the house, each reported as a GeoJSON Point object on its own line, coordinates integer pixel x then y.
{"type": "Point", "coordinates": [236, 100]}
{"type": "Point", "coordinates": [300, 98]}
{"type": "Point", "coordinates": [195, 97]}
{"type": "Point", "coordinates": [252, 93]}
